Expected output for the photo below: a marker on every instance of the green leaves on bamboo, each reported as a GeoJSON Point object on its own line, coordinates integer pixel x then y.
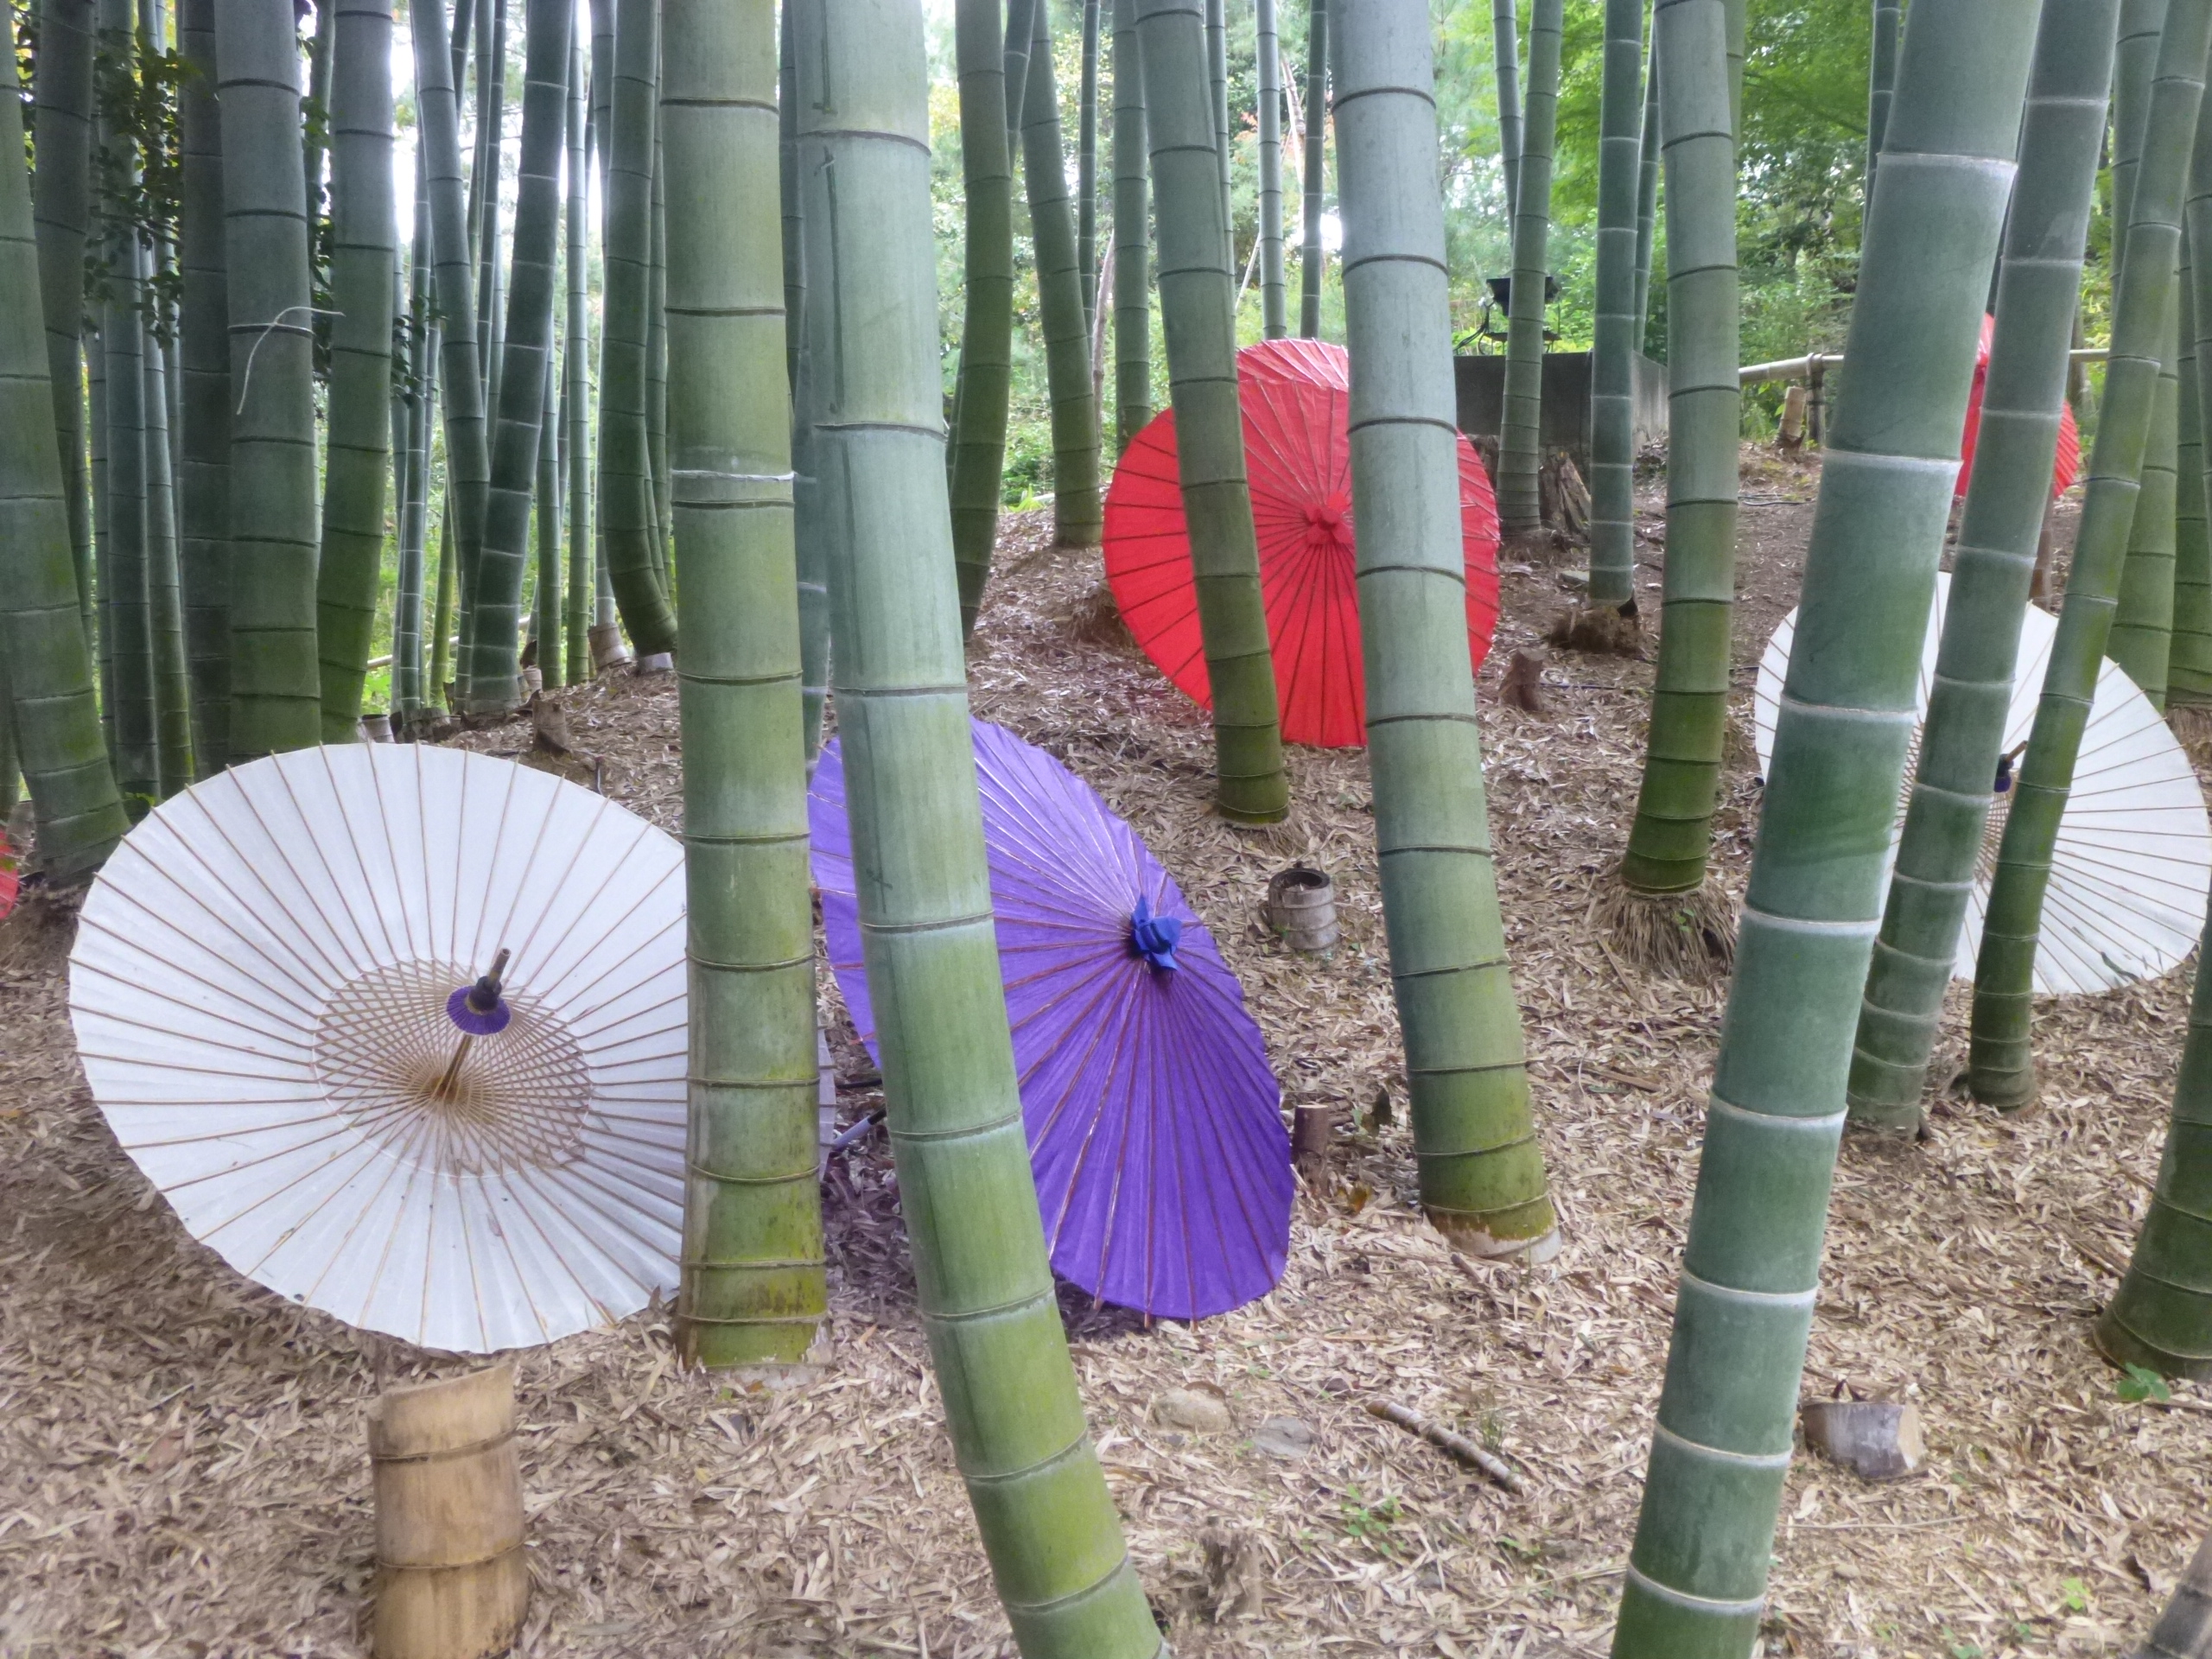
{"type": "Point", "coordinates": [2007, 500]}
{"type": "Point", "coordinates": [1197, 305]}
{"type": "Point", "coordinates": [1696, 1577]}
{"type": "Point", "coordinates": [1482, 1173]}
{"type": "Point", "coordinates": [753, 1282]}
{"type": "Point", "coordinates": [954, 1114]}
{"type": "Point", "coordinates": [2000, 1066]}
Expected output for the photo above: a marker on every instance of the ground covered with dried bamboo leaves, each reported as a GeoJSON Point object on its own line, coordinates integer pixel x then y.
{"type": "Point", "coordinates": [182, 1455]}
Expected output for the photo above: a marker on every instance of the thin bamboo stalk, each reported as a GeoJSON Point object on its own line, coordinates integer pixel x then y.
{"type": "Point", "coordinates": [1197, 317]}
{"type": "Point", "coordinates": [1505, 59]}
{"type": "Point", "coordinates": [53, 712]}
{"type": "Point", "coordinates": [2007, 502]}
{"type": "Point", "coordinates": [1086, 171]}
{"type": "Point", "coordinates": [546, 609]}
{"type": "Point", "coordinates": [315, 121]}
{"type": "Point", "coordinates": [442, 607]}
{"type": "Point", "coordinates": [351, 573]}
{"type": "Point", "coordinates": [986, 322]}
{"type": "Point", "coordinates": [485, 181]}
{"type": "Point", "coordinates": [753, 1282]}
{"type": "Point", "coordinates": [2142, 622]}
{"type": "Point", "coordinates": [955, 1112]}
{"type": "Point", "coordinates": [1132, 236]}
{"type": "Point", "coordinates": [1217, 82]}
{"type": "Point", "coordinates": [2140, 23]}
{"type": "Point", "coordinates": [656, 361]}
{"type": "Point", "coordinates": [2190, 679]}
{"type": "Point", "coordinates": [1881, 80]}
{"type": "Point", "coordinates": [408, 673]}
{"type": "Point", "coordinates": [1613, 402]}
{"type": "Point", "coordinates": [1079, 510]}
{"type": "Point", "coordinates": [1482, 1174]}
{"type": "Point", "coordinates": [1696, 1576]}
{"type": "Point", "coordinates": [164, 602]}
{"type": "Point", "coordinates": [1274, 305]}
{"type": "Point", "coordinates": [1520, 455]}
{"type": "Point", "coordinates": [1647, 201]}
{"type": "Point", "coordinates": [62, 203]}
{"type": "Point", "coordinates": [575, 368]}
{"type": "Point", "coordinates": [1311, 254]}
{"type": "Point", "coordinates": [2000, 1061]}
{"type": "Point", "coordinates": [809, 526]}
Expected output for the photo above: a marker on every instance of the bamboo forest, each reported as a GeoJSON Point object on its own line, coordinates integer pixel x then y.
{"type": "Point", "coordinates": [1089, 828]}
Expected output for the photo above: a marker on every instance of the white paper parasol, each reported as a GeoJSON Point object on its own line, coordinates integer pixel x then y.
{"type": "Point", "coordinates": [260, 990]}
{"type": "Point", "coordinates": [2134, 851]}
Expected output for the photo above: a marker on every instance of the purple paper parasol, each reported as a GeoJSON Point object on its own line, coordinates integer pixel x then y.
{"type": "Point", "coordinates": [1162, 1166]}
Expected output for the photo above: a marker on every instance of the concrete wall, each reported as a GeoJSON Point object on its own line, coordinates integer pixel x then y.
{"type": "Point", "coordinates": [1481, 386]}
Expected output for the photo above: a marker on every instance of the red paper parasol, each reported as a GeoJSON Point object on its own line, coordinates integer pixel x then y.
{"type": "Point", "coordinates": [1295, 396]}
{"type": "Point", "coordinates": [2068, 462]}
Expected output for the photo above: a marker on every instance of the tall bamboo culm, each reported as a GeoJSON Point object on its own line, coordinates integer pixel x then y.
{"type": "Point", "coordinates": [2143, 616]}
{"type": "Point", "coordinates": [625, 483]}
{"type": "Point", "coordinates": [1086, 171]}
{"type": "Point", "coordinates": [61, 204]}
{"type": "Point", "coordinates": [1132, 236]}
{"type": "Point", "coordinates": [1217, 70]}
{"type": "Point", "coordinates": [1311, 254]}
{"type": "Point", "coordinates": [987, 323]}
{"type": "Point", "coordinates": [1613, 402]}
{"type": "Point", "coordinates": [1647, 201]}
{"type": "Point", "coordinates": [1482, 1173]}
{"type": "Point", "coordinates": [753, 1281]}
{"type": "Point", "coordinates": [409, 683]}
{"type": "Point", "coordinates": [1275, 312]}
{"type": "Point", "coordinates": [1079, 510]}
{"type": "Point", "coordinates": [2001, 1064]}
{"type": "Point", "coordinates": [1672, 833]}
{"type": "Point", "coordinates": [955, 1113]}
{"type": "Point", "coordinates": [2136, 60]}
{"type": "Point", "coordinates": [461, 378]}
{"type": "Point", "coordinates": [1505, 58]}
{"type": "Point", "coordinates": [1881, 80]}
{"type": "Point", "coordinates": [489, 678]}
{"type": "Point", "coordinates": [810, 527]}
{"type": "Point", "coordinates": [362, 233]}
{"type": "Point", "coordinates": [164, 603]}
{"type": "Point", "coordinates": [1995, 561]}
{"type": "Point", "coordinates": [1696, 1576]}
{"type": "Point", "coordinates": [1197, 315]}
{"type": "Point", "coordinates": [1519, 454]}
{"type": "Point", "coordinates": [575, 370]}
{"type": "Point", "coordinates": [2189, 678]}
{"type": "Point", "coordinates": [53, 712]}
{"type": "Point", "coordinates": [275, 689]}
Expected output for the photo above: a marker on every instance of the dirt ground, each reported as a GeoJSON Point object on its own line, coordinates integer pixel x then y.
{"type": "Point", "coordinates": [182, 1468]}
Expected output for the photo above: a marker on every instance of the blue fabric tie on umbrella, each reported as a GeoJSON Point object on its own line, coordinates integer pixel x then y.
{"type": "Point", "coordinates": [1155, 1130]}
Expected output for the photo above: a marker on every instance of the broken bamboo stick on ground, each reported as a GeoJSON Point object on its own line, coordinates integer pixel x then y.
{"type": "Point", "coordinates": [1458, 1445]}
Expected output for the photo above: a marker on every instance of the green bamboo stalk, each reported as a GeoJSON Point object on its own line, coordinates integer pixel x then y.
{"type": "Point", "coordinates": [1672, 834]}
{"type": "Point", "coordinates": [315, 113]}
{"type": "Point", "coordinates": [1520, 455]}
{"type": "Point", "coordinates": [2001, 1063]}
{"type": "Point", "coordinates": [1197, 313]}
{"type": "Point", "coordinates": [2142, 622]}
{"type": "Point", "coordinates": [987, 324]}
{"type": "Point", "coordinates": [164, 602]}
{"type": "Point", "coordinates": [1217, 81]}
{"type": "Point", "coordinates": [626, 503]}
{"type": "Point", "coordinates": [467, 445]}
{"type": "Point", "coordinates": [276, 694]}
{"type": "Point", "coordinates": [484, 180]}
{"type": "Point", "coordinates": [362, 234]}
{"type": "Point", "coordinates": [1612, 401]}
{"type": "Point", "coordinates": [442, 607]}
{"type": "Point", "coordinates": [2161, 1316]}
{"type": "Point", "coordinates": [1505, 58]}
{"type": "Point", "coordinates": [546, 609]}
{"type": "Point", "coordinates": [808, 526]}
{"type": "Point", "coordinates": [2140, 21]}
{"type": "Point", "coordinates": [1079, 510]}
{"type": "Point", "coordinates": [103, 580]}
{"type": "Point", "coordinates": [62, 203]}
{"type": "Point", "coordinates": [1086, 171]}
{"type": "Point", "coordinates": [2190, 676]}
{"type": "Point", "coordinates": [409, 680]}
{"type": "Point", "coordinates": [1311, 254]}
{"type": "Point", "coordinates": [124, 597]}
{"type": "Point", "coordinates": [1132, 236]}
{"type": "Point", "coordinates": [1020, 34]}
{"type": "Point", "coordinates": [1482, 1173]}
{"type": "Point", "coordinates": [1647, 203]}
{"type": "Point", "coordinates": [575, 368]}
{"type": "Point", "coordinates": [204, 499]}
{"type": "Point", "coordinates": [754, 1288]}
{"type": "Point", "coordinates": [656, 361]}
{"type": "Point", "coordinates": [489, 680]}
{"type": "Point", "coordinates": [1696, 1576]}
{"type": "Point", "coordinates": [1881, 80]}
{"type": "Point", "coordinates": [52, 708]}
{"type": "Point", "coordinates": [1275, 312]}
{"type": "Point", "coordinates": [955, 1113]}
{"type": "Point", "coordinates": [2007, 501]}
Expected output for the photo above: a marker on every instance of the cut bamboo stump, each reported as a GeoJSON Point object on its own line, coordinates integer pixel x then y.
{"type": "Point", "coordinates": [452, 1582]}
{"type": "Point", "coordinates": [376, 728]}
{"type": "Point", "coordinates": [1302, 907]}
{"type": "Point", "coordinates": [1875, 1439]}
{"type": "Point", "coordinates": [1312, 1140]}
{"type": "Point", "coordinates": [607, 650]}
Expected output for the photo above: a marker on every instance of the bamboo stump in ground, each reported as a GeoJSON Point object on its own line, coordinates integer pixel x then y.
{"type": "Point", "coordinates": [451, 1579]}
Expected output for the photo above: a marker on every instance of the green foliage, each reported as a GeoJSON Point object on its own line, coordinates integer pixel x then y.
{"type": "Point", "coordinates": [1369, 1523]}
{"type": "Point", "coordinates": [2139, 1382]}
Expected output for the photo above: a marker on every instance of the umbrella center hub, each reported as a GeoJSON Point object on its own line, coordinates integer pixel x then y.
{"type": "Point", "coordinates": [1329, 518]}
{"type": "Point", "coordinates": [383, 1045]}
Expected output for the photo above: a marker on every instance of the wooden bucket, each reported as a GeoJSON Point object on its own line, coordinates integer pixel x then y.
{"type": "Point", "coordinates": [452, 1582]}
{"type": "Point", "coordinates": [1302, 908]}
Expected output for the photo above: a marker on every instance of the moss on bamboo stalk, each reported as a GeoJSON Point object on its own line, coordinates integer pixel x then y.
{"type": "Point", "coordinates": [2000, 1061]}
{"type": "Point", "coordinates": [1696, 1577]}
